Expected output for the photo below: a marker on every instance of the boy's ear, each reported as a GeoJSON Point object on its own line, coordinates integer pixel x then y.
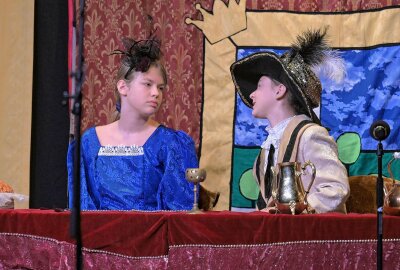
{"type": "Point", "coordinates": [280, 91]}
{"type": "Point", "coordinates": [122, 87]}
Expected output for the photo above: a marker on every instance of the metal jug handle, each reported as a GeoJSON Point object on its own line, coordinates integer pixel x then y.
{"type": "Point", "coordinates": [303, 167]}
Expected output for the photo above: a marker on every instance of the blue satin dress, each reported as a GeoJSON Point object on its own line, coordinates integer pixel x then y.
{"type": "Point", "coordinates": [148, 177]}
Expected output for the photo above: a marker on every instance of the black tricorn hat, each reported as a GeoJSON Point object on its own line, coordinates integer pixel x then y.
{"type": "Point", "coordinates": [296, 69]}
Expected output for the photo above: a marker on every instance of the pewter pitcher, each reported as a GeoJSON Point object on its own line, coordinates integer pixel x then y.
{"type": "Point", "coordinates": [391, 205]}
{"type": "Point", "coordinates": [288, 192]}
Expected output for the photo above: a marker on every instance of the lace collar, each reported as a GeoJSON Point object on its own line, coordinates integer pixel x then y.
{"type": "Point", "coordinates": [275, 133]}
{"type": "Point", "coordinates": [121, 150]}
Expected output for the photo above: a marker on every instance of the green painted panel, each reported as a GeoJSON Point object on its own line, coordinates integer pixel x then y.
{"type": "Point", "coordinates": [367, 163]}
{"type": "Point", "coordinates": [243, 160]}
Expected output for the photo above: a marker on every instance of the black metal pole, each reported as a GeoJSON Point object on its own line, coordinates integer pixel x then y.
{"type": "Point", "coordinates": [75, 225]}
{"type": "Point", "coordinates": [78, 75]}
{"type": "Point", "coordinates": [379, 204]}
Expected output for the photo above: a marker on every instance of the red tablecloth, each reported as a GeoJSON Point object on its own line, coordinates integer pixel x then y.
{"type": "Point", "coordinates": [212, 240]}
{"type": "Point", "coordinates": [261, 228]}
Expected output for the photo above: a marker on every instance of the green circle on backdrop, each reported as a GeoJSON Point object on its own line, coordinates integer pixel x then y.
{"type": "Point", "coordinates": [248, 186]}
{"type": "Point", "coordinates": [349, 147]}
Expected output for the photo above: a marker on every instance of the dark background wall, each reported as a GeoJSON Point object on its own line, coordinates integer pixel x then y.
{"type": "Point", "coordinates": [50, 121]}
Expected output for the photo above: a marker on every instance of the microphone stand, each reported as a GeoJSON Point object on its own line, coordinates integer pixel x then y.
{"type": "Point", "coordinates": [78, 75]}
{"type": "Point", "coordinates": [379, 204]}
{"type": "Point", "coordinates": [379, 130]}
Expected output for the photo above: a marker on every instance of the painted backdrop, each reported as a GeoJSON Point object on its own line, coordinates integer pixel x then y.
{"type": "Point", "coordinates": [202, 39]}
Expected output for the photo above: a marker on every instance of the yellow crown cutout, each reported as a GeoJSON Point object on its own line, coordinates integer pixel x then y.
{"type": "Point", "coordinates": [223, 22]}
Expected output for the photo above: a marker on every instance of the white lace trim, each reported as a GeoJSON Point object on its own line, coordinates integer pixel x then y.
{"type": "Point", "coordinates": [274, 138]}
{"type": "Point", "coordinates": [275, 133]}
{"type": "Point", "coordinates": [121, 150]}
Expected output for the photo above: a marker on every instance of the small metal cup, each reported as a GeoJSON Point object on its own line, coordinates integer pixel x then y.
{"type": "Point", "coordinates": [195, 175]}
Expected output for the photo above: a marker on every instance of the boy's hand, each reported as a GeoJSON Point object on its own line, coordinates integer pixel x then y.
{"type": "Point", "coordinates": [270, 210]}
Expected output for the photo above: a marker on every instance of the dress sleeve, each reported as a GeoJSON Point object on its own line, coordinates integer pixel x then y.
{"type": "Point", "coordinates": [330, 189]}
{"type": "Point", "coordinates": [175, 192]}
{"type": "Point", "coordinates": [86, 201]}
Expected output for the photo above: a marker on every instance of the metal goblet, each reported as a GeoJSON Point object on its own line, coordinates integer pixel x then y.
{"type": "Point", "coordinates": [195, 175]}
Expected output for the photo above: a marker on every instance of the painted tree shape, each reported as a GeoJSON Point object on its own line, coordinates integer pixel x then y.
{"type": "Point", "coordinates": [349, 148]}
{"type": "Point", "coordinates": [248, 186]}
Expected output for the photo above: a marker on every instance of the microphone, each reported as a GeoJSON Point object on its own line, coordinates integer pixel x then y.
{"type": "Point", "coordinates": [379, 130]}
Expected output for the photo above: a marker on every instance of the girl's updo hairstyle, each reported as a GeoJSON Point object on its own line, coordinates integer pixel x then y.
{"type": "Point", "coordinates": [138, 56]}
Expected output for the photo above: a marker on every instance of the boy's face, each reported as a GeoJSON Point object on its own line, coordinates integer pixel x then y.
{"type": "Point", "coordinates": [264, 97]}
